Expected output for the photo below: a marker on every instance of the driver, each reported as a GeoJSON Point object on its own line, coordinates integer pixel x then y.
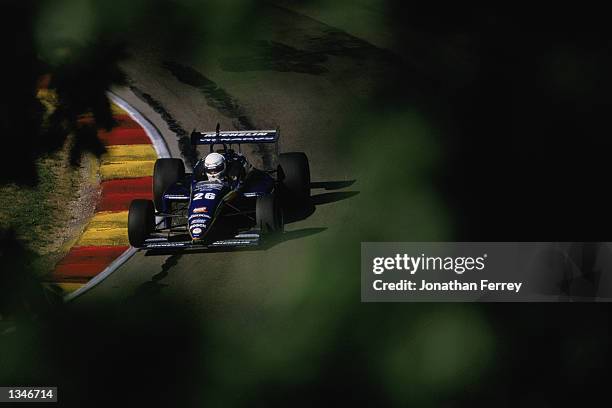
{"type": "Point", "coordinates": [215, 167]}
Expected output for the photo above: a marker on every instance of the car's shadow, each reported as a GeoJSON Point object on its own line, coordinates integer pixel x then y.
{"type": "Point", "coordinates": [298, 209]}
{"type": "Point", "coordinates": [332, 185]}
{"type": "Point", "coordinates": [326, 198]}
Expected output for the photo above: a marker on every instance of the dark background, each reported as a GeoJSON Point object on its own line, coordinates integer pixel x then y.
{"type": "Point", "coordinates": [520, 97]}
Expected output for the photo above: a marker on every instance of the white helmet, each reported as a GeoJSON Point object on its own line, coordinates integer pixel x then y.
{"type": "Point", "coordinates": [214, 165]}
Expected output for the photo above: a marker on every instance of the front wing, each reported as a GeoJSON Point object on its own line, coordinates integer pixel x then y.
{"type": "Point", "coordinates": [243, 239]}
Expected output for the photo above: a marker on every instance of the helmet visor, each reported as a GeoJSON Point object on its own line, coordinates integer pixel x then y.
{"type": "Point", "coordinates": [215, 169]}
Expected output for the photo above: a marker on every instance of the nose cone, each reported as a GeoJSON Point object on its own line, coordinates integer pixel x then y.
{"type": "Point", "coordinates": [205, 198]}
{"type": "Point", "coordinates": [198, 224]}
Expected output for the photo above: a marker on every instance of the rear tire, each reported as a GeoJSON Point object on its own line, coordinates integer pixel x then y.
{"type": "Point", "coordinates": [268, 214]}
{"type": "Point", "coordinates": [296, 173]}
{"type": "Point", "coordinates": [141, 222]}
{"type": "Point", "coordinates": [165, 174]}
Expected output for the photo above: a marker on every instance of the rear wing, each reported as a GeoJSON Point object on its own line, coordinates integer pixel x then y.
{"type": "Point", "coordinates": [234, 137]}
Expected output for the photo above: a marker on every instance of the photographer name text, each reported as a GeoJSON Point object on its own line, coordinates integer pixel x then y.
{"type": "Point", "coordinates": [454, 285]}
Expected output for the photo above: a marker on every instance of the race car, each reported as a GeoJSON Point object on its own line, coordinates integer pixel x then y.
{"type": "Point", "coordinates": [225, 202]}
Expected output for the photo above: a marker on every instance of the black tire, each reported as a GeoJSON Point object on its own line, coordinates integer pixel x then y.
{"type": "Point", "coordinates": [269, 214]}
{"type": "Point", "coordinates": [166, 173]}
{"type": "Point", "coordinates": [141, 222]}
{"type": "Point", "coordinates": [295, 173]}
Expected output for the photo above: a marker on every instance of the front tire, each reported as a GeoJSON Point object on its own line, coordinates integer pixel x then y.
{"type": "Point", "coordinates": [268, 214]}
{"type": "Point", "coordinates": [296, 173]}
{"type": "Point", "coordinates": [165, 174]}
{"type": "Point", "coordinates": [141, 222]}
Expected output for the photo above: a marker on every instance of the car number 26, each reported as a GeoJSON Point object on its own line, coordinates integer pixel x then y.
{"type": "Point", "coordinates": [208, 196]}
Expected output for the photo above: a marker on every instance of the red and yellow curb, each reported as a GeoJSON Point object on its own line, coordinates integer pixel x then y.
{"type": "Point", "coordinates": [126, 173]}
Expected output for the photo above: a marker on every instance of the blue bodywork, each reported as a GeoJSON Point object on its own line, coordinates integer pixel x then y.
{"type": "Point", "coordinates": [207, 200]}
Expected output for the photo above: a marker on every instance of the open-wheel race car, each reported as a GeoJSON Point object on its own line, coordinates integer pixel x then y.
{"type": "Point", "coordinates": [225, 201]}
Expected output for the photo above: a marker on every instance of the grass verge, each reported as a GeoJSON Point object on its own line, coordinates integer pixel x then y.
{"type": "Point", "coordinates": [49, 217]}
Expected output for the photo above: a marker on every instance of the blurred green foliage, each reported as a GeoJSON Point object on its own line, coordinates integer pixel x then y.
{"type": "Point", "coordinates": [437, 135]}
